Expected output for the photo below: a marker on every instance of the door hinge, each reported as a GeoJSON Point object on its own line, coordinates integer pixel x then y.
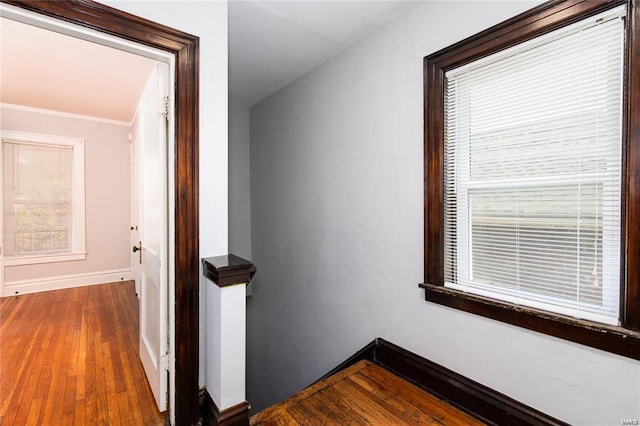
{"type": "Point", "coordinates": [165, 108]}
{"type": "Point", "coordinates": [164, 362]}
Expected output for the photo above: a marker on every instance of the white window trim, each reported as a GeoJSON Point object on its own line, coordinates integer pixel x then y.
{"type": "Point", "coordinates": [44, 258]}
{"type": "Point", "coordinates": [78, 243]}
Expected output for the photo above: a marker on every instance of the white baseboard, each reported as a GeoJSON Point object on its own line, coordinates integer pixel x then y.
{"type": "Point", "coordinates": [13, 288]}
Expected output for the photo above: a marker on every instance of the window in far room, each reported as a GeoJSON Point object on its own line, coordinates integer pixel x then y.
{"type": "Point", "coordinates": [526, 146]}
{"type": "Point", "coordinates": [43, 198]}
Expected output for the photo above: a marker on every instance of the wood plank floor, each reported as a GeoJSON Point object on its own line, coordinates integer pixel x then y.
{"type": "Point", "coordinates": [363, 394]}
{"type": "Point", "coordinates": [70, 357]}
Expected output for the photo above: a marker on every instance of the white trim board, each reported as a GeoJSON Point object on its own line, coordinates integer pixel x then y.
{"type": "Point", "coordinates": [66, 114]}
{"type": "Point", "coordinates": [14, 288]}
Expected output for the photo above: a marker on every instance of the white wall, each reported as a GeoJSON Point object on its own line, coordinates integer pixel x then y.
{"type": "Point", "coordinates": [208, 21]}
{"type": "Point", "coordinates": [239, 182]}
{"type": "Point", "coordinates": [107, 187]}
{"type": "Point", "coordinates": [337, 236]}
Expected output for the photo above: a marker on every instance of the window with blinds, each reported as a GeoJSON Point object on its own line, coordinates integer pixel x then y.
{"type": "Point", "coordinates": [43, 199]}
{"type": "Point", "coordinates": [532, 171]}
{"type": "Point", "coordinates": [37, 198]}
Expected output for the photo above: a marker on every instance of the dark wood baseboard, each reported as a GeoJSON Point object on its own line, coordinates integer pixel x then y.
{"type": "Point", "coordinates": [482, 402]}
{"type": "Point", "coordinates": [364, 353]}
{"type": "Point", "coordinates": [468, 395]}
{"type": "Point", "coordinates": [238, 415]}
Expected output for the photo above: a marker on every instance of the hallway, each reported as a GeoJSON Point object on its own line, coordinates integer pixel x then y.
{"type": "Point", "coordinates": [71, 357]}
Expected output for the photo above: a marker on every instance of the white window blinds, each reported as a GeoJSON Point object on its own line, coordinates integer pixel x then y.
{"type": "Point", "coordinates": [532, 171]}
{"type": "Point", "coordinates": [37, 198]}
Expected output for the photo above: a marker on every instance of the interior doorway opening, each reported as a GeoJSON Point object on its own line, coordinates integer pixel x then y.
{"type": "Point", "coordinates": [102, 24]}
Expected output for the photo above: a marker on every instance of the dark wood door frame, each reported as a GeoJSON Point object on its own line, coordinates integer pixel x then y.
{"type": "Point", "coordinates": [185, 47]}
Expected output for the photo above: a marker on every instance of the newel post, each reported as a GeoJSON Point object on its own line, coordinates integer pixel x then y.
{"type": "Point", "coordinates": [225, 340]}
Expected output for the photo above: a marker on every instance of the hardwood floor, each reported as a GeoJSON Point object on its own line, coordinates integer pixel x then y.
{"type": "Point", "coordinates": [71, 357]}
{"type": "Point", "coordinates": [363, 394]}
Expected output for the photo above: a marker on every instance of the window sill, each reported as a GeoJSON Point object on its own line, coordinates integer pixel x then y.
{"type": "Point", "coordinates": [44, 258]}
{"type": "Point", "coordinates": [613, 339]}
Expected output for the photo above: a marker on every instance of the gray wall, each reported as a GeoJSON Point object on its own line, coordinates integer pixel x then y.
{"type": "Point", "coordinates": [337, 234]}
{"type": "Point", "coordinates": [239, 181]}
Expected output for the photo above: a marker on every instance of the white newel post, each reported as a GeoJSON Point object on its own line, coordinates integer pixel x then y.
{"type": "Point", "coordinates": [225, 338]}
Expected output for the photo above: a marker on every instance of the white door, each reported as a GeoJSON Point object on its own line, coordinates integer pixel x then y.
{"type": "Point", "coordinates": [152, 273]}
{"type": "Point", "coordinates": [134, 213]}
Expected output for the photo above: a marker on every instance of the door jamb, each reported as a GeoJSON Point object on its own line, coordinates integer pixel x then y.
{"type": "Point", "coordinates": [185, 47]}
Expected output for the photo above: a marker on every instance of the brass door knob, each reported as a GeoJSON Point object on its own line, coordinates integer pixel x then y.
{"type": "Point", "coordinates": [138, 248]}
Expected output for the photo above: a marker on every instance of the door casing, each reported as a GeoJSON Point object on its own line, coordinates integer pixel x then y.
{"type": "Point", "coordinates": [185, 47]}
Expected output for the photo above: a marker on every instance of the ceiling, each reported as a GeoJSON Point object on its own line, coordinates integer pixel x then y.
{"type": "Point", "coordinates": [271, 44]}
{"type": "Point", "coordinates": [48, 70]}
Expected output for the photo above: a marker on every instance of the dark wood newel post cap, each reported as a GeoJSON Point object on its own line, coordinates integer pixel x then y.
{"type": "Point", "coordinates": [228, 269]}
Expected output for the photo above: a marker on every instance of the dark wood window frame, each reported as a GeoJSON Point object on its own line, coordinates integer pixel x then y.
{"type": "Point", "coordinates": [623, 340]}
{"type": "Point", "coordinates": [185, 47]}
